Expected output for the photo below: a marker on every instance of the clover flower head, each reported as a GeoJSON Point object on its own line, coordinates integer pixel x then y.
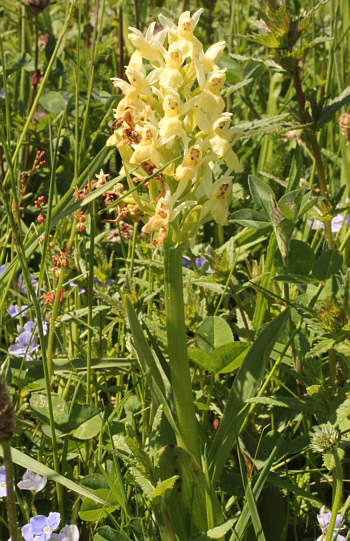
{"type": "Point", "coordinates": [32, 481]}
{"type": "Point", "coordinates": [324, 520]}
{"type": "Point", "coordinates": [3, 489]}
{"type": "Point", "coordinates": [324, 438]}
{"type": "Point", "coordinates": [24, 346]}
{"type": "Point", "coordinates": [40, 528]}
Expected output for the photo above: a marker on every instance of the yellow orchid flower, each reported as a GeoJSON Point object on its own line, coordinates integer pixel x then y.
{"type": "Point", "coordinates": [160, 107]}
{"type": "Point", "coordinates": [208, 102]}
{"type": "Point", "coordinates": [222, 140]}
{"type": "Point", "coordinates": [188, 169]}
{"type": "Point", "coordinates": [171, 76]}
{"type": "Point", "coordinates": [149, 46]}
{"type": "Point", "coordinates": [219, 199]}
{"type": "Point", "coordinates": [147, 148]}
{"type": "Point", "coordinates": [207, 61]}
{"type": "Point", "coordinates": [165, 213]}
{"type": "Point", "coordinates": [171, 125]}
{"type": "Point", "coordinates": [188, 43]}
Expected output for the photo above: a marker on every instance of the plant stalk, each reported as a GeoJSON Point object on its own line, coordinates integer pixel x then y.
{"type": "Point", "coordinates": [295, 357]}
{"type": "Point", "coordinates": [316, 151]}
{"type": "Point", "coordinates": [177, 351]}
{"type": "Point", "coordinates": [338, 482]}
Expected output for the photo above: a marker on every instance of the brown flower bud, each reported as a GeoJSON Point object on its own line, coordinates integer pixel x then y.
{"type": "Point", "coordinates": [344, 123]}
{"type": "Point", "coordinates": [38, 6]}
{"type": "Point", "coordinates": [35, 78]}
{"type": "Point", "coordinates": [7, 414]}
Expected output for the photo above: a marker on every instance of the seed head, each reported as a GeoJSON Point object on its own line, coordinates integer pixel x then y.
{"type": "Point", "coordinates": [324, 439]}
{"type": "Point", "coordinates": [38, 6]}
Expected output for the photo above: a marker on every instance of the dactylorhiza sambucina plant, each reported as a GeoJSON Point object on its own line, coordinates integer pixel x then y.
{"type": "Point", "coordinates": [176, 112]}
{"type": "Point", "coordinates": [171, 124]}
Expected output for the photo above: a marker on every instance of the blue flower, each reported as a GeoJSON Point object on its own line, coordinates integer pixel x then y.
{"type": "Point", "coordinates": [200, 261]}
{"type": "Point", "coordinates": [40, 528]}
{"type": "Point", "coordinates": [32, 481]}
{"type": "Point", "coordinates": [336, 223]}
{"type": "Point", "coordinates": [44, 325]}
{"type": "Point", "coordinates": [81, 291]}
{"type": "Point", "coordinates": [14, 310]}
{"type": "Point", "coordinates": [2, 269]}
{"type": "Point", "coordinates": [29, 326]}
{"type": "Point", "coordinates": [68, 533]}
{"type": "Point", "coordinates": [324, 519]}
{"type": "Point", "coordinates": [3, 489]}
{"type": "Point", "coordinates": [102, 284]}
{"type": "Point", "coordinates": [24, 345]}
{"type": "Point", "coordinates": [21, 283]}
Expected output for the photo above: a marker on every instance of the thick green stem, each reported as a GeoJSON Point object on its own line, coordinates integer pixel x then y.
{"type": "Point", "coordinates": [316, 151]}
{"type": "Point", "coordinates": [295, 357]}
{"type": "Point", "coordinates": [338, 482]}
{"type": "Point", "coordinates": [177, 350]}
{"type": "Point", "coordinates": [10, 498]}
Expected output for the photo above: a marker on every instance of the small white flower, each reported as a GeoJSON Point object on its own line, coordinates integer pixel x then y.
{"type": "Point", "coordinates": [32, 481]}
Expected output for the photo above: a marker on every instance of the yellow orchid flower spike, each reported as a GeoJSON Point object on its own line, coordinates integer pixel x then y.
{"type": "Point", "coordinates": [176, 111]}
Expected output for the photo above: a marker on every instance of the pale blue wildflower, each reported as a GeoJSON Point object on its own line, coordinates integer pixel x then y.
{"type": "Point", "coordinates": [14, 310]}
{"type": "Point", "coordinates": [324, 519]}
{"type": "Point", "coordinates": [29, 326]}
{"type": "Point", "coordinates": [22, 285]}
{"type": "Point", "coordinates": [200, 261]}
{"type": "Point", "coordinates": [103, 284]}
{"type": "Point", "coordinates": [68, 533]}
{"type": "Point", "coordinates": [3, 489]}
{"type": "Point", "coordinates": [336, 223]}
{"type": "Point", "coordinates": [80, 291]}
{"type": "Point", "coordinates": [24, 346]}
{"type": "Point", "coordinates": [40, 528]}
{"type": "Point", "coordinates": [32, 481]}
